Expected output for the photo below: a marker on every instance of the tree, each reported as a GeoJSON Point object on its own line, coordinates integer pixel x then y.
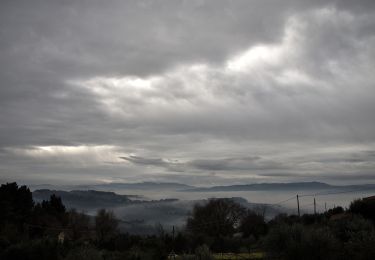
{"type": "Point", "coordinates": [105, 226]}
{"type": "Point", "coordinates": [54, 206]}
{"type": "Point", "coordinates": [78, 224]}
{"type": "Point", "coordinates": [364, 207]}
{"type": "Point", "coordinates": [253, 224]}
{"type": "Point", "coordinates": [50, 212]}
{"type": "Point", "coordinates": [219, 217]}
{"type": "Point", "coordinates": [16, 204]}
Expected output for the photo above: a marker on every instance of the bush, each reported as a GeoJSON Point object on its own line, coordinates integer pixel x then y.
{"type": "Point", "coordinates": [361, 246]}
{"type": "Point", "coordinates": [203, 253]}
{"type": "Point", "coordinates": [299, 242]}
{"type": "Point", "coordinates": [364, 207]}
{"type": "Point", "coordinates": [344, 228]}
{"type": "Point", "coordinates": [357, 235]}
{"type": "Point", "coordinates": [84, 253]}
{"type": "Point", "coordinates": [30, 250]}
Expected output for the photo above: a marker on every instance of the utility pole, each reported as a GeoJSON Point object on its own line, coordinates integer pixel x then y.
{"type": "Point", "coordinates": [325, 206]}
{"type": "Point", "coordinates": [174, 254]}
{"type": "Point", "coordinates": [314, 207]}
{"type": "Point", "coordinates": [173, 233]}
{"type": "Point", "coordinates": [299, 214]}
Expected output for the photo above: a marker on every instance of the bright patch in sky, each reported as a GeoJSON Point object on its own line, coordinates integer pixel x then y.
{"type": "Point", "coordinates": [82, 153]}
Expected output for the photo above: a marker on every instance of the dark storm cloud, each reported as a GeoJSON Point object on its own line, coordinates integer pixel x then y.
{"type": "Point", "coordinates": [237, 87]}
{"type": "Point", "coordinates": [147, 161]}
{"type": "Point", "coordinates": [129, 37]}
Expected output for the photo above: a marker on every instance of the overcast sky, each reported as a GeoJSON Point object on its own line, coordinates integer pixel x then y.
{"type": "Point", "coordinates": [200, 92]}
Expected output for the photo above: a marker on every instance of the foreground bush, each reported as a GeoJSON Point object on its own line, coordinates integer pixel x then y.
{"type": "Point", "coordinates": [203, 253]}
{"type": "Point", "coordinates": [294, 242]}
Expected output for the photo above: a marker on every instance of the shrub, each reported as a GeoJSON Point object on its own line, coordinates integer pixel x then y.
{"type": "Point", "coordinates": [299, 242]}
{"type": "Point", "coordinates": [203, 253]}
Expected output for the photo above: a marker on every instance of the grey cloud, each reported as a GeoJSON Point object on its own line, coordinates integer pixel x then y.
{"type": "Point", "coordinates": [357, 157]}
{"type": "Point", "coordinates": [46, 44]}
{"type": "Point", "coordinates": [212, 165]}
{"type": "Point", "coordinates": [130, 37]}
{"type": "Point", "coordinates": [361, 6]}
{"type": "Point", "coordinates": [235, 164]}
{"type": "Point", "coordinates": [146, 161]}
{"type": "Point", "coordinates": [75, 39]}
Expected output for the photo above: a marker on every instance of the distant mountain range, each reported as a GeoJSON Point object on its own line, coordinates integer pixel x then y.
{"type": "Point", "coordinates": [138, 214]}
{"type": "Point", "coordinates": [282, 187]}
{"type": "Point", "coordinates": [117, 186]}
{"type": "Point", "coordinates": [171, 186]}
{"type": "Point", "coordinates": [87, 198]}
{"type": "Point", "coordinates": [93, 199]}
{"type": "Point", "coordinates": [144, 185]}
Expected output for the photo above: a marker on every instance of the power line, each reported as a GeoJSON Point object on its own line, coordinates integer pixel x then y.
{"type": "Point", "coordinates": [319, 194]}
{"type": "Point", "coordinates": [307, 205]}
{"type": "Point", "coordinates": [283, 201]}
{"type": "Point", "coordinates": [324, 193]}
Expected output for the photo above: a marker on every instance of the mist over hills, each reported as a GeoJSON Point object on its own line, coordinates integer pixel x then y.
{"type": "Point", "coordinates": [138, 215]}
{"type": "Point", "coordinates": [142, 206]}
{"type": "Point", "coordinates": [85, 198]}
{"type": "Point", "coordinates": [171, 186]}
{"type": "Point", "coordinates": [157, 186]}
{"type": "Point", "coordinates": [144, 185]}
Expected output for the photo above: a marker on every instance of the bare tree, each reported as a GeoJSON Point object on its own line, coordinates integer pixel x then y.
{"type": "Point", "coordinates": [219, 217]}
{"type": "Point", "coordinates": [106, 225]}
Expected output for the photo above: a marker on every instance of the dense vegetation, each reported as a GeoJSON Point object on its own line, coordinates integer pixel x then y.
{"type": "Point", "coordinates": [47, 230]}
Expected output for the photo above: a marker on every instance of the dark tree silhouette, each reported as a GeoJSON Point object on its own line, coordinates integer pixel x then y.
{"type": "Point", "coordinates": [54, 206]}
{"type": "Point", "coordinates": [253, 224]}
{"type": "Point", "coordinates": [16, 204]}
{"type": "Point", "coordinates": [49, 217]}
{"type": "Point", "coordinates": [105, 226]}
{"type": "Point", "coordinates": [219, 217]}
{"type": "Point", "coordinates": [78, 224]}
{"type": "Point", "coordinates": [364, 207]}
